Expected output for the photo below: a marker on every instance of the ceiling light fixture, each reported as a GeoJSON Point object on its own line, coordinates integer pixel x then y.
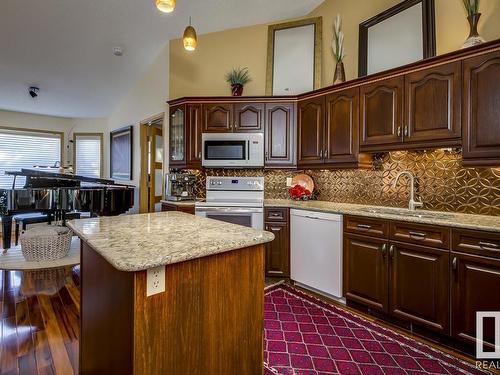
{"type": "Point", "coordinates": [165, 6]}
{"type": "Point", "coordinates": [189, 39]}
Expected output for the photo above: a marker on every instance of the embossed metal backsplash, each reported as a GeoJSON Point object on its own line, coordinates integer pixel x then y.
{"type": "Point", "coordinates": [443, 184]}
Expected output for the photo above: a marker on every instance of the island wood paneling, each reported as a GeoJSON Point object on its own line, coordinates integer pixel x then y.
{"type": "Point", "coordinates": [208, 321]}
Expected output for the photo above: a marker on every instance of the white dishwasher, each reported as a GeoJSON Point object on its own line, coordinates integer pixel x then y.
{"type": "Point", "coordinates": [316, 251]}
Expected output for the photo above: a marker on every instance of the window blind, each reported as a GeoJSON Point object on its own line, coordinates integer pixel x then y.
{"type": "Point", "coordinates": [88, 155]}
{"type": "Point", "coordinates": [26, 149]}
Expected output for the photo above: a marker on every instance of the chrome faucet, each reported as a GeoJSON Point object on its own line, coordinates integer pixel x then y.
{"type": "Point", "coordinates": [412, 204]}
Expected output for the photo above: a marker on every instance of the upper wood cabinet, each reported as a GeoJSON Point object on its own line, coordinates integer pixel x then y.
{"type": "Point", "coordinates": [249, 117]}
{"type": "Point", "coordinates": [217, 117]}
{"type": "Point", "coordinates": [341, 133]}
{"type": "Point", "coordinates": [481, 110]}
{"type": "Point", "coordinates": [194, 130]}
{"type": "Point", "coordinates": [311, 119]}
{"type": "Point", "coordinates": [280, 137]}
{"type": "Point", "coordinates": [381, 113]}
{"type": "Point", "coordinates": [433, 105]}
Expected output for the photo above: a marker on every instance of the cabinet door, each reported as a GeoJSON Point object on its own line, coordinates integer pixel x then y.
{"type": "Point", "coordinates": [194, 135]}
{"type": "Point", "coordinates": [341, 141]}
{"type": "Point", "coordinates": [177, 138]}
{"type": "Point", "coordinates": [249, 117]}
{"type": "Point", "coordinates": [365, 271]}
{"type": "Point", "coordinates": [310, 130]}
{"type": "Point", "coordinates": [475, 286]}
{"type": "Point", "coordinates": [481, 110]}
{"type": "Point", "coordinates": [217, 118]}
{"type": "Point", "coordinates": [382, 113]}
{"type": "Point", "coordinates": [433, 104]}
{"type": "Point", "coordinates": [418, 285]}
{"type": "Point", "coordinates": [280, 135]}
{"type": "Point", "coordinates": [278, 251]}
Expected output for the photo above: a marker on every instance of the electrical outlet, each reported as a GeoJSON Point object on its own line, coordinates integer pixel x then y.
{"type": "Point", "coordinates": [288, 181]}
{"type": "Point", "coordinates": [155, 282]}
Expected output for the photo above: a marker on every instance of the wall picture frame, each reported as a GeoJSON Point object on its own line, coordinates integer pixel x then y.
{"type": "Point", "coordinates": [121, 153]}
{"type": "Point", "coordinates": [294, 57]}
{"type": "Point", "coordinates": [400, 35]}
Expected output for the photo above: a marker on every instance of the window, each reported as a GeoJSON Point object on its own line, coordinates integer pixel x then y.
{"type": "Point", "coordinates": [88, 154]}
{"type": "Point", "coordinates": [26, 149]}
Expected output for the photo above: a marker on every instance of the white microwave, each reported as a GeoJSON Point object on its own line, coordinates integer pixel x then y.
{"type": "Point", "coordinates": [233, 150]}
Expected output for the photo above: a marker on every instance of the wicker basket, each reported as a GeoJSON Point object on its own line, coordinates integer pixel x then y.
{"type": "Point", "coordinates": [45, 243]}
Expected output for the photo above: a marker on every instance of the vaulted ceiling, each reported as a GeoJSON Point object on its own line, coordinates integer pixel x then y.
{"type": "Point", "coordinates": [65, 47]}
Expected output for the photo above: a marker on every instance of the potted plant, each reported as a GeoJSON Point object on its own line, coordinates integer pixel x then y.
{"type": "Point", "coordinates": [472, 9]}
{"type": "Point", "coordinates": [237, 78]}
{"type": "Point", "coordinates": [338, 50]}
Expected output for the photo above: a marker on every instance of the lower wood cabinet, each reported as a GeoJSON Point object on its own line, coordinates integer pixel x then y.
{"type": "Point", "coordinates": [277, 256]}
{"type": "Point", "coordinates": [365, 271]}
{"type": "Point", "coordinates": [475, 286]}
{"type": "Point", "coordinates": [418, 285]}
{"type": "Point", "coordinates": [187, 208]}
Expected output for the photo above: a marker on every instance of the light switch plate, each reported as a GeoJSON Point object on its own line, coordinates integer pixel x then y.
{"type": "Point", "coordinates": [288, 181]}
{"type": "Point", "coordinates": [155, 282]}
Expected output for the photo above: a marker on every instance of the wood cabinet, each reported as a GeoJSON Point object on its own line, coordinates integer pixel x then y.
{"type": "Point", "coordinates": [217, 117]}
{"type": "Point", "coordinates": [181, 207]}
{"type": "Point", "coordinates": [418, 285]}
{"type": "Point", "coordinates": [280, 136]}
{"type": "Point", "coordinates": [328, 131]}
{"type": "Point", "coordinates": [365, 271]}
{"type": "Point", "coordinates": [433, 105]}
{"type": "Point", "coordinates": [481, 110]}
{"type": "Point", "coordinates": [382, 113]}
{"type": "Point", "coordinates": [248, 117]}
{"type": "Point", "coordinates": [194, 130]}
{"type": "Point", "coordinates": [386, 271]}
{"type": "Point", "coordinates": [278, 251]}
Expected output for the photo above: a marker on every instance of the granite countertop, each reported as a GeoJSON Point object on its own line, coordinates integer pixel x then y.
{"type": "Point", "coordinates": [138, 242]}
{"type": "Point", "coordinates": [451, 219]}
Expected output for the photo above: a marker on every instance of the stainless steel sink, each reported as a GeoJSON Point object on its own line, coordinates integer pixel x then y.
{"type": "Point", "coordinates": [405, 212]}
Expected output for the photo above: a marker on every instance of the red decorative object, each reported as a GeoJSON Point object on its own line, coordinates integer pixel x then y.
{"type": "Point", "coordinates": [304, 335]}
{"type": "Point", "coordinates": [237, 89]}
{"type": "Point", "coordinates": [298, 192]}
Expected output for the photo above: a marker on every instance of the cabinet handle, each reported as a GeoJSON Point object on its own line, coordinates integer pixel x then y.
{"type": "Point", "coordinates": [326, 154]}
{"type": "Point", "coordinates": [399, 131]}
{"type": "Point", "coordinates": [454, 266]}
{"type": "Point", "coordinates": [199, 155]}
{"type": "Point", "coordinates": [384, 250]}
{"type": "Point", "coordinates": [267, 155]}
{"type": "Point", "coordinates": [364, 226]}
{"type": "Point", "coordinates": [391, 251]}
{"type": "Point", "coordinates": [406, 131]}
{"type": "Point", "coordinates": [321, 154]}
{"type": "Point", "coordinates": [490, 245]}
{"type": "Point", "coordinates": [419, 235]}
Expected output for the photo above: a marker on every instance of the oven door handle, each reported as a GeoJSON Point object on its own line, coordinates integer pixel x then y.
{"type": "Point", "coordinates": [230, 210]}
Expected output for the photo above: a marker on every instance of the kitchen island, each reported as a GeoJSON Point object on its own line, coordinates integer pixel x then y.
{"type": "Point", "coordinates": [208, 319]}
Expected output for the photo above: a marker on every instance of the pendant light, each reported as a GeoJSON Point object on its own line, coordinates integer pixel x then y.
{"type": "Point", "coordinates": [189, 38]}
{"type": "Point", "coordinates": [165, 6]}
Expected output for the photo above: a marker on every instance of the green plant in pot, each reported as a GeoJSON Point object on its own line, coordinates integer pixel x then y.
{"type": "Point", "coordinates": [237, 78]}
{"type": "Point", "coordinates": [338, 50]}
{"type": "Point", "coordinates": [472, 9]}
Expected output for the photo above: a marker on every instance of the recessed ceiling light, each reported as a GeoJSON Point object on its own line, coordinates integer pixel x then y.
{"type": "Point", "coordinates": [118, 51]}
{"type": "Point", "coordinates": [165, 6]}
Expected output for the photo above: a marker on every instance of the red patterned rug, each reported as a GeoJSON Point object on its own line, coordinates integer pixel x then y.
{"type": "Point", "coordinates": [306, 336]}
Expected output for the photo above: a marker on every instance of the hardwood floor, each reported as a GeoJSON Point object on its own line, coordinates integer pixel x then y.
{"type": "Point", "coordinates": [39, 321]}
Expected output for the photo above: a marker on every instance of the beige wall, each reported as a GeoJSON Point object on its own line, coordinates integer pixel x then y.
{"type": "Point", "coordinates": [202, 72]}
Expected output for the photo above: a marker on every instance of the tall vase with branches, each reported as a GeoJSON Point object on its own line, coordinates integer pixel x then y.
{"type": "Point", "coordinates": [338, 50]}
{"type": "Point", "coordinates": [472, 9]}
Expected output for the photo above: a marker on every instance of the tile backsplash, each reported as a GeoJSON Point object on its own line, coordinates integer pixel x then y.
{"type": "Point", "coordinates": [443, 184]}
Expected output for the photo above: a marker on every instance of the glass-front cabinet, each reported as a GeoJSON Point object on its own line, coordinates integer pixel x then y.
{"type": "Point", "coordinates": [177, 142]}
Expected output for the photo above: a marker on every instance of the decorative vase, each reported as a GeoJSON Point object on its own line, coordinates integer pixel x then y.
{"type": "Point", "coordinates": [236, 89]}
{"type": "Point", "coordinates": [339, 75]}
{"type": "Point", "coordinates": [474, 37]}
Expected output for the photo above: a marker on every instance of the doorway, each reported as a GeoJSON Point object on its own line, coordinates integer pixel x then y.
{"type": "Point", "coordinates": [152, 159]}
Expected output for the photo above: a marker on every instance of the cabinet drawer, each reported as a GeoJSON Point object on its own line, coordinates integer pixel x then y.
{"type": "Point", "coordinates": [427, 235]}
{"type": "Point", "coordinates": [276, 214]}
{"type": "Point", "coordinates": [367, 226]}
{"type": "Point", "coordinates": [476, 242]}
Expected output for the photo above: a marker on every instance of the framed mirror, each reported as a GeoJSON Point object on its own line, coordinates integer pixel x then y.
{"type": "Point", "coordinates": [398, 36]}
{"type": "Point", "coordinates": [294, 57]}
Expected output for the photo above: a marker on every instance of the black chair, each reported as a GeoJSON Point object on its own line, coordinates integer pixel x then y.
{"type": "Point", "coordinates": [35, 218]}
